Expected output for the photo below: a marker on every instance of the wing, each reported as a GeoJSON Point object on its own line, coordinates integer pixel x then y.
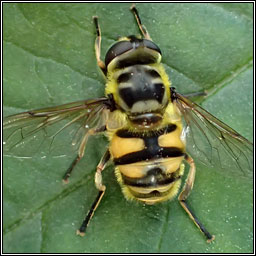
{"type": "Point", "coordinates": [212, 142]}
{"type": "Point", "coordinates": [57, 130]}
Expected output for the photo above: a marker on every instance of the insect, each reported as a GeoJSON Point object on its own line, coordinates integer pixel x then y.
{"type": "Point", "coordinates": [152, 129]}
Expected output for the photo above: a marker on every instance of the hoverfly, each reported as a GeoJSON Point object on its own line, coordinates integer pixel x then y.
{"type": "Point", "coordinates": [152, 129]}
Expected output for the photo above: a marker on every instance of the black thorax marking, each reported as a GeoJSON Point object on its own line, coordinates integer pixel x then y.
{"type": "Point", "coordinates": [141, 85]}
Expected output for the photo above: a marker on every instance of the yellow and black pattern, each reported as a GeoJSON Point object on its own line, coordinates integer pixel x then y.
{"type": "Point", "coordinates": [141, 114]}
{"type": "Point", "coordinates": [148, 167]}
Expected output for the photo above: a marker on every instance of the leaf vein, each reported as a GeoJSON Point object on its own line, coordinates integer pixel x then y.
{"type": "Point", "coordinates": [49, 202]}
{"type": "Point", "coordinates": [163, 231]}
{"type": "Point", "coordinates": [31, 52]}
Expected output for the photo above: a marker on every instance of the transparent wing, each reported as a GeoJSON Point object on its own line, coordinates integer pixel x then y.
{"type": "Point", "coordinates": [56, 130]}
{"type": "Point", "coordinates": [212, 142]}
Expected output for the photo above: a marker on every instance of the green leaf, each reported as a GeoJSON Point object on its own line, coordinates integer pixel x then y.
{"type": "Point", "coordinates": [49, 60]}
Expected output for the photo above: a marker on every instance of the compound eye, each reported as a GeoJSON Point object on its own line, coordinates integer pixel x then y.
{"type": "Point", "coordinates": [142, 51]}
{"type": "Point", "coordinates": [117, 49]}
{"type": "Point", "coordinates": [151, 45]}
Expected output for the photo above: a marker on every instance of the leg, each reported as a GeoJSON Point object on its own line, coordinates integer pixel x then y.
{"type": "Point", "coordinates": [185, 193]}
{"type": "Point", "coordinates": [81, 151]}
{"type": "Point", "coordinates": [70, 169]}
{"type": "Point", "coordinates": [141, 26]}
{"type": "Point", "coordinates": [97, 46]}
{"type": "Point", "coordinates": [101, 188]}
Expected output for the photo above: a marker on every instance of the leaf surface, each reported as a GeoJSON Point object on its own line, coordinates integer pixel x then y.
{"type": "Point", "coordinates": [49, 60]}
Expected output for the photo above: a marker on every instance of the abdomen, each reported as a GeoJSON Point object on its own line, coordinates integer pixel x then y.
{"type": "Point", "coordinates": [149, 164]}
